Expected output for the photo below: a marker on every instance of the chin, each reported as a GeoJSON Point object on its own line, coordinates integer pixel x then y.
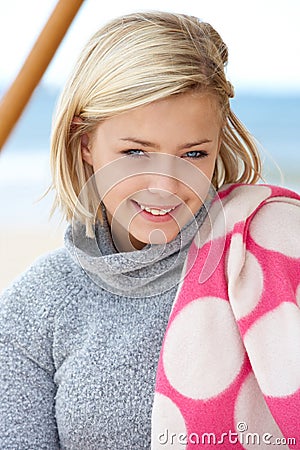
{"type": "Point", "coordinates": [157, 237]}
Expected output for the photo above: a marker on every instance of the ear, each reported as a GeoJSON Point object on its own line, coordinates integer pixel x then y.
{"type": "Point", "coordinates": [85, 150]}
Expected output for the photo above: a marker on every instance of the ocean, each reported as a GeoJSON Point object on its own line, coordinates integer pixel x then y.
{"type": "Point", "coordinates": [274, 120]}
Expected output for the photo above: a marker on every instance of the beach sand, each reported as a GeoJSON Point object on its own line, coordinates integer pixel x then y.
{"type": "Point", "coordinates": [20, 247]}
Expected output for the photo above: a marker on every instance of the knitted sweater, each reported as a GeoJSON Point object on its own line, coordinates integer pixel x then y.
{"type": "Point", "coordinates": [80, 335]}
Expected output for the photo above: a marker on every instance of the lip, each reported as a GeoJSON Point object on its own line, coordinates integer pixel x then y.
{"type": "Point", "coordinates": [148, 216]}
{"type": "Point", "coordinates": [163, 207]}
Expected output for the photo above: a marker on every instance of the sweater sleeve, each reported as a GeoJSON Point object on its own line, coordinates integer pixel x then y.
{"type": "Point", "coordinates": [264, 291]}
{"type": "Point", "coordinates": [27, 419]}
{"type": "Point", "coordinates": [27, 406]}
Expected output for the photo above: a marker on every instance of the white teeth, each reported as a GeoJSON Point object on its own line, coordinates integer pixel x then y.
{"type": "Point", "coordinates": [156, 212]}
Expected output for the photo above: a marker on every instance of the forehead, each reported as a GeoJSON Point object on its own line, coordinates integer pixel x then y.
{"type": "Point", "coordinates": [190, 113]}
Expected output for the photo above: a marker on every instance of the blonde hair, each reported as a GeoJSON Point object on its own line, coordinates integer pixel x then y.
{"type": "Point", "coordinates": [130, 62]}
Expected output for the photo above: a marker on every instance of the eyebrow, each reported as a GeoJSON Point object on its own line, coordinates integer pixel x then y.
{"type": "Point", "coordinates": [153, 145]}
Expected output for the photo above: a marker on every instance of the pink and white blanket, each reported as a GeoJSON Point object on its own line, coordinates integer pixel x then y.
{"type": "Point", "coordinates": [229, 370]}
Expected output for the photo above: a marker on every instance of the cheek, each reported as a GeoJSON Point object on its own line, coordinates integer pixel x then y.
{"type": "Point", "coordinates": [118, 178]}
{"type": "Point", "coordinates": [208, 168]}
{"type": "Point", "coordinates": [116, 195]}
{"type": "Point", "coordinates": [199, 181]}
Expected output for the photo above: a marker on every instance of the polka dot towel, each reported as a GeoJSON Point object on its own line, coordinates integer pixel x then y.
{"type": "Point", "coordinates": [229, 369]}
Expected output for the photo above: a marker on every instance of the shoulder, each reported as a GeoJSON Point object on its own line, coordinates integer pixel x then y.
{"type": "Point", "coordinates": [274, 226]}
{"type": "Point", "coordinates": [239, 203]}
{"type": "Point", "coordinates": [47, 274]}
{"type": "Point", "coordinates": [28, 307]}
{"type": "Point", "coordinates": [252, 196]}
{"type": "Point", "coordinates": [264, 249]}
{"type": "Point", "coordinates": [270, 214]}
{"type": "Point", "coordinates": [263, 258]}
{"type": "Point", "coordinates": [241, 212]}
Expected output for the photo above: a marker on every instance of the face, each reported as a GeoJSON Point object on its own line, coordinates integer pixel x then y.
{"type": "Point", "coordinates": [154, 165]}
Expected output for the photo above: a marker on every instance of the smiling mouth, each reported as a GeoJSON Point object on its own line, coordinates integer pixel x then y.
{"type": "Point", "coordinates": [155, 210]}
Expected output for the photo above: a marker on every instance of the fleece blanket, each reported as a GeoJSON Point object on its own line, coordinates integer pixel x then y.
{"type": "Point", "coordinates": [228, 375]}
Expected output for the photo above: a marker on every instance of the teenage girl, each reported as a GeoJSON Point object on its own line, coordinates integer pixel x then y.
{"type": "Point", "coordinates": [170, 319]}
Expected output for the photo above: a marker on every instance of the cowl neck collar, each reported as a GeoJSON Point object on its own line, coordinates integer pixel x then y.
{"type": "Point", "coordinates": [140, 273]}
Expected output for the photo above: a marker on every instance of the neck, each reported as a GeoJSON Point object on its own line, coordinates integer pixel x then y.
{"type": "Point", "coordinates": [122, 239]}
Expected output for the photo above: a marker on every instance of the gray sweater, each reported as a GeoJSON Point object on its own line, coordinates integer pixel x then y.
{"type": "Point", "coordinates": [80, 336]}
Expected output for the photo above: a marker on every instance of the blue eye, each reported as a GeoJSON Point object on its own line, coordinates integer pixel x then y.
{"type": "Point", "coordinates": [197, 154]}
{"type": "Point", "coordinates": [136, 153]}
{"type": "Point", "coordinates": [133, 152]}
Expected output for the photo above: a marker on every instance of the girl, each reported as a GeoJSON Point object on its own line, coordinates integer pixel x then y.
{"type": "Point", "coordinates": [176, 295]}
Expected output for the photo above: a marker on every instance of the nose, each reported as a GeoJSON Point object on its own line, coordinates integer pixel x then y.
{"type": "Point", "coordinates": [163, 185]}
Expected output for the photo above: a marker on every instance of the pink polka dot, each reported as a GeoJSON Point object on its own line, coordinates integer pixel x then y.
{"type": "Point", "coordinates": [272, 344]}
{"type": "Point", "coordinates": [245, 278]}
{"type": "Point", "coordinates": [231, 210]}
{"type": "Point", "coordinates": [214, 225]}
{"type": "Point", "coordinates": [251, 409]}
{"type": "Point", "coordinates": [203, 352]}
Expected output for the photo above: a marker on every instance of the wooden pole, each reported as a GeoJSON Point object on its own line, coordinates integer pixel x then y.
{"type": "Point", "coordinates": [18, 95]}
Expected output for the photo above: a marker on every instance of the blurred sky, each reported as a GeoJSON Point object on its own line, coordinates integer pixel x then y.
{"type": "Point", "coordinates": [263, 36]}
